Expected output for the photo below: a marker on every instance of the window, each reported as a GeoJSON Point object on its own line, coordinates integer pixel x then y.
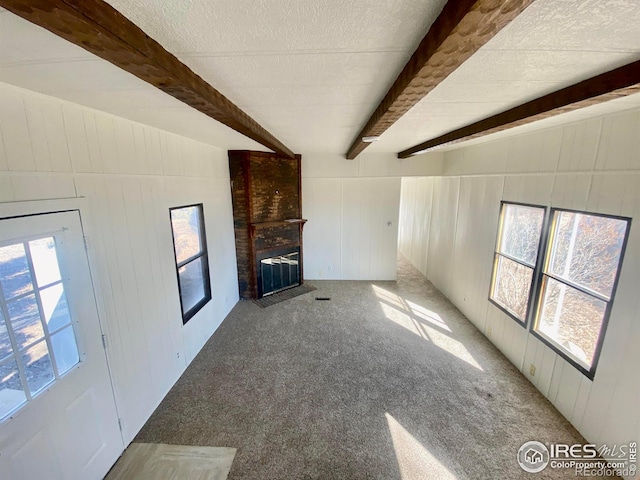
{"type": "Point", "coordinates": [516, 257]}
{"type": "Point", "coordinates": [578, 282]}
{"type": "Point", "coordinates": [37, 340]}
{"type": "Point", "coordinates": [192, 263]}
{"type": "Point", "coordinates": [573, 285]}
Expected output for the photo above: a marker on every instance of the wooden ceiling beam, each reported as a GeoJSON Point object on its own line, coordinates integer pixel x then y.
{"type": "Point", "coordinates": [100, 29]}
{"type": "Point", "coordinates": [616, 83]}
{"type": "Point", "coordinates": [460, 30]}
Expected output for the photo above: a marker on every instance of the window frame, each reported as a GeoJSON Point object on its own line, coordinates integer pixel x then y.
{"type": "Point", "coordinates": [203, 253]}
{"type": "Point", "coordinates": [539, 301]}
{"type": "Point", "coordinates": [533, 288]}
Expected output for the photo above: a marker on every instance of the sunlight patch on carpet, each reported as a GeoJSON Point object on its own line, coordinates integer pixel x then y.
{"type": "Point", "coordinates": [414, 460]}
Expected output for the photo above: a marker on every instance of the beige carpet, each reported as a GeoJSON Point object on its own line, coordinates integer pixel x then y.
{"type": "Point", "coordinates": [147, 461]}
{"type": "Point", "coordinates": [387, 380]}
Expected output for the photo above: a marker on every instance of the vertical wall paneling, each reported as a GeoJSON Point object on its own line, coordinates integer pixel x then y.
{"type": "Point", "coordinates": [56, 136]}
{"type": "Point", "coordinates": [322, 204]}
{"type": "Point", "coordinates": [107, 143]}
{"type": "Point", "coordinates": [388, 205]}
{"type": "Point", "coordinates": [16, 137]}
{"type": "Point", "coordinates": [421, 218]}
{"type": "Point", "coordinates": [348, 236]}
{"type": "Point", "coordinates": [582, 397]}
{"type": "Point", "coordinates": [76, 139]}
{"type": "Point", "coordinates": [619, 142]}
{"type": "Point", "coordinates": [140, 148]}
{"type": "Point", "coordinates": [138, 351]}
{"type": "Point", "coordinates": [408, 212]}
{"type": "Point", "coordinates": [3, 155]}
{"type": "Point", "coordinates": [353, 247]}
{"type": "Point", "coordinates": [37, 133]}
{"type": "Point", "coordinates": [462, 233]}
{"type": "Point", "coordinates": [93, 142]}
{"type": "Point", "coordinates": [370, 228]}
{"type": "Point", "coordinates": [6, 189]}
{"type": "Point", "coordinates": [571, 191]}
{"type": "Point", "coordinates": [443, 223]}
{"type": "Point", "coordinates": [125, 159]}
{"type": "Point", "coordinates": [619, 425]}
{"type": "Point", "coordinates": [579, 146]}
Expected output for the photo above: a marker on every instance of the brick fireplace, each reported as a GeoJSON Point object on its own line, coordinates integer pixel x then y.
{"type": "Point", "coordinates": [267, 210]}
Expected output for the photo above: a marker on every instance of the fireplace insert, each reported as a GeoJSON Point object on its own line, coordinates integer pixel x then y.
{"type": "Point", "coordinates": [278, 270]}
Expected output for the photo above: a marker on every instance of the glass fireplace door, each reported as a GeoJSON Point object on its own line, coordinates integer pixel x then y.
{"type": "Point", "coordinates": [279, 272]}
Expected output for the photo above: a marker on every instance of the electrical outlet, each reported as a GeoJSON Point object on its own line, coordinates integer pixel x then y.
{"type": "Point", "coordinates": [489, 330]}
{"type": "Point", "coordinates": [320, 274]}
{"type": "Point", "coordinates": [226, 299]}
{"type": "Point", "coordinates": [532, 370]}
{"type": "Point", "coordinates": [329, 268]}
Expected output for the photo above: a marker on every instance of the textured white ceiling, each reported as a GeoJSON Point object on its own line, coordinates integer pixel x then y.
{"type": "Point", "coordinates": [223, 27]}
{"type": "Point", "coordinates": [312, 72]}
{"type": "Point", "coordinates": [551, 45]}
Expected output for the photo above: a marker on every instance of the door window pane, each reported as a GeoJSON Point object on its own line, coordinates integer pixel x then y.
{"type": "Point", "coordinates": [55, 308]}
{"type": "Point", "coordinates": [25, 320]}
{"type": "Point", "coordinates": [37, 367]}
{"type": "Point", "coordinates": [5, 341]}
{"type": "Point", "coordinates": [11, 393]}
{"type": "Point", "coordinates": [65, 350]}
{"type": "Point", "coordinates": [15, 276]}
{"type": "Point", "coordinates": [45, 261]}
{"type": "Point", "coordinates": [191, 284]}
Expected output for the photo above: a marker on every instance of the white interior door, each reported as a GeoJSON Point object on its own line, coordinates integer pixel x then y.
{"type": "Point", "coordinates": [58, 417]}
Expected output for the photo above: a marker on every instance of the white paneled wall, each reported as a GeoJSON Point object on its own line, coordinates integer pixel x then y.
{"type": "Point", "coordinates": [444, 209]}
{"type": "Point", "coordinates": [349, 204]}
{"type": "Point", "coordinates": [593, 165]}
{"type": "Point", "coordinates": [415, 222]}
{"type": "Point", "coordinates": [130, 175]}
{"type": "Point", "coordinates": [348, 236]}
{"type": "Point", "coordinates": [408, 215]}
